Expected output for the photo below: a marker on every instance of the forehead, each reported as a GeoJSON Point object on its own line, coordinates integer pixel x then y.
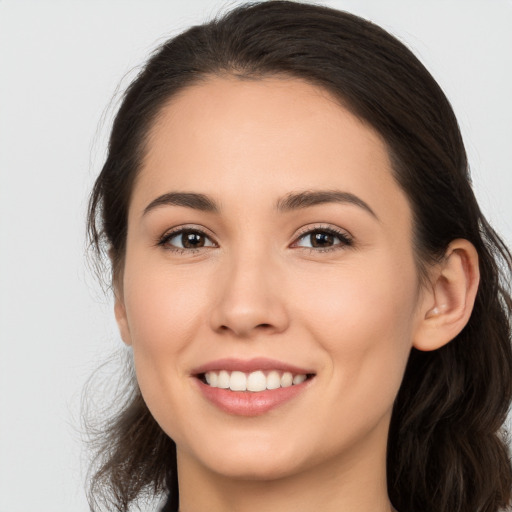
{"type": "Point", "coordinates": [255, 140]}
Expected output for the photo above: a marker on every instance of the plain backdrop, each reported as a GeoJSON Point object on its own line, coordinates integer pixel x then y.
{"type": "Point", "coordinates": [61, 63]}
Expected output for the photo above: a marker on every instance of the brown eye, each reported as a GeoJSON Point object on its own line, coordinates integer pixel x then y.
{"type": "Point", "coordinates": [323, 239]}
{"type": "Point", "coordinates": [192, 240]}
{"type": "Point", "coordinates": [187, 239]}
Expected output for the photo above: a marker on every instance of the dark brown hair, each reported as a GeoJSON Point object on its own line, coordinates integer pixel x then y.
{"type": "Point", "coordinates": [446, 452]}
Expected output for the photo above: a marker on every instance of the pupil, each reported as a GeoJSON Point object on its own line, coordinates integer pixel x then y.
{"type": "Point", "coordinates": [192, 240]}
{"type": "Point", "coordinates": [322, 239]}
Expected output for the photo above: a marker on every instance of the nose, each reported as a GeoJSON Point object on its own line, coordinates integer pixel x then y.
{"type": "Point", "coordinates": [250, 298]}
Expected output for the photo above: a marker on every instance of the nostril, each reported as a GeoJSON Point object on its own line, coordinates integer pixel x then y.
{"type": "Point", "coordinates": [259, 326]}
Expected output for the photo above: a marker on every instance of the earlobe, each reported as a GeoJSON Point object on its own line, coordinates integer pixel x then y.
{"type": "Point", "coordinates": [448, 304]}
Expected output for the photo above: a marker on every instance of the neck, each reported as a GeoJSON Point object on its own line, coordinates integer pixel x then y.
{"type": "Point", "coordinates": [356, 483]}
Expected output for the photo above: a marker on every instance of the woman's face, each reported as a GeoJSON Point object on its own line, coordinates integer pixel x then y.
{"type": "Point", "coordinates": [268, 242]}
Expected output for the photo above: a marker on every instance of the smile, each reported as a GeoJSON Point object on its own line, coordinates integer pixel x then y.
{"type": "Point", "coordinates": [254, 382]}
{"type": "Point", "coordinates": [251, 388]}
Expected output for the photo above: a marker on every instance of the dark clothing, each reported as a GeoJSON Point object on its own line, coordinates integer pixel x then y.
{"type": "Point", "coordinates": [171, 505]}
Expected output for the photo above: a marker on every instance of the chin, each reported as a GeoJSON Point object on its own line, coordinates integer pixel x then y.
{"type": "Point", "coordinates": [245, 458]}
{"type": "Point", "coordinates": [256, 468]}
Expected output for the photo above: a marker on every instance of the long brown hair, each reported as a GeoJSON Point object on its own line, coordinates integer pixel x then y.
{"type": "Point", "coordinates": [446, 452]}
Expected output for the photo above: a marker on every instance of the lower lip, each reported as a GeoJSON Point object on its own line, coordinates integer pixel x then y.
{"type": "Point", "coordinates": [247, 403]}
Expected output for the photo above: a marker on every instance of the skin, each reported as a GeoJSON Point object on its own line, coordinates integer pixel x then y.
{"type": "Point", "coordinates": [258, 289]}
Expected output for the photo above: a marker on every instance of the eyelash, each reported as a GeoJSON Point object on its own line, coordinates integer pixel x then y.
{"type": "Point", "coordinates": [344, 238]}
{"type": "Point", "coordinates": [164, 240]}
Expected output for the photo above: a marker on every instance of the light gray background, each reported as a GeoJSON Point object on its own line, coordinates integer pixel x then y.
{"type": "Point", "coordinates": [60, 65]}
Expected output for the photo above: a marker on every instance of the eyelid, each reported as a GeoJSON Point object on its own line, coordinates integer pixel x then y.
{"type": "Point", "coordinates": [346, 239]}
{"type": "Point", "coordinates": [176, 230]}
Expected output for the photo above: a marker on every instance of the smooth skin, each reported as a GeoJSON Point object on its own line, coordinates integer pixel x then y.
{"type": "Point", "coordinates": [258, 285]}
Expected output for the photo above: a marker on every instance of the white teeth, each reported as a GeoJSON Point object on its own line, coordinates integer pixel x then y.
{"type": "Point", "coordinates": [214, 379]}
{"type": "Point", "coordinates": [223, 380]}
{"type": "Point", "coordinates": [299, 379]}
{"type": "Point", "coordinates": [286, 380]}
{"type": "Point", "coordinates": [273, 380]}
{"type": "Point", "coordinates": [254, 381]}
{"type": "Point", "coordinates": [238, 381]}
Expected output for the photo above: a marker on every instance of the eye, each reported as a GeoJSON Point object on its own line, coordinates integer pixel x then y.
{"type": "Point", "coordinates": [186, 239]}
{"type": "Point", "coordinates": [323, 238]}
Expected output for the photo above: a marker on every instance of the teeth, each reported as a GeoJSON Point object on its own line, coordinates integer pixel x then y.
{"type": "Point", "coordinates": [223, 380]}
{"type": "Point", "coordinates": [299, 379]}
{"type": "Point", "coordinates": [286, 380]}
{"type": "Point", "coordinates": [238, 381]}
{"type": "Point", "coordinates": [212, 379]}
{"type": "Point", "coordinates": [254, 382]}
{"type": "Point", "coordinates": [273, 380]}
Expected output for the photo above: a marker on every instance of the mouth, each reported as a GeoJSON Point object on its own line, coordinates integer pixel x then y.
{"type": "Point", "coordinates": [253, 382]}
{"type": "Point", "coordinates": [251, 388]}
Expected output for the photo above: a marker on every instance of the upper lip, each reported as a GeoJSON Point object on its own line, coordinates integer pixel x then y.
{"type": "Point", "coordinates": [250, 365]}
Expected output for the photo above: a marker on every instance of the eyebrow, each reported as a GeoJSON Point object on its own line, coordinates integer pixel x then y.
{"type": "Point", "coordinates": [308, 198]}
{"type": "Point", "coordinates": [291, 202]}
{"type": "Point", "coordinates": [187, 199]}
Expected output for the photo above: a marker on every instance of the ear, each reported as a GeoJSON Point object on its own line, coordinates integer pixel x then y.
{"type": "Point", "coordinates": [119, 306]}
{"type": "Point", "coordinates": [121, 319]}
{"type": "Point", "coordinates": [449, 301]}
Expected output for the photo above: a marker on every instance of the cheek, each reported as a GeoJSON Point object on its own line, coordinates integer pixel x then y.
{"type": "Point", "coordinates": [161, 307]}
{"type": "Point", "coordinates": [363, 316]}
{"type": "Point", "coordinates": [162, 310]}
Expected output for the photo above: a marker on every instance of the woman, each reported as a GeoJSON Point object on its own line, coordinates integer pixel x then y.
{"type": "Point", "coordinates": [311, 293]}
